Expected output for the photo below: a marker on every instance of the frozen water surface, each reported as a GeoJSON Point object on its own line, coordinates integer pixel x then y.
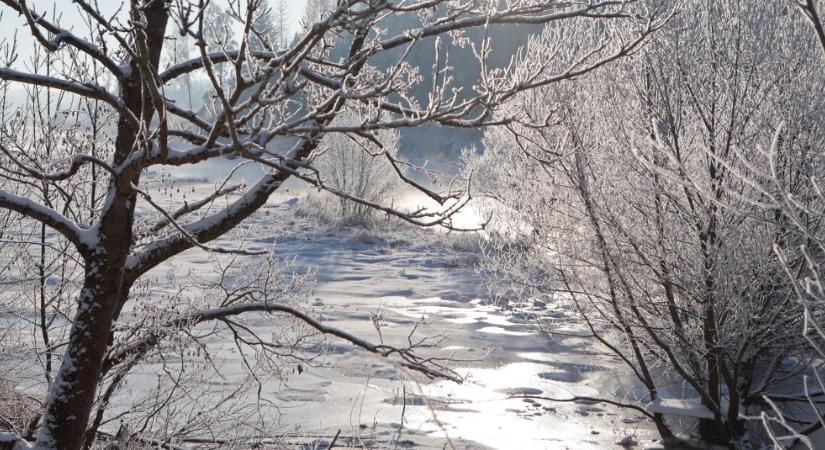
{"type": "Point", "coordinates": [501, 354]}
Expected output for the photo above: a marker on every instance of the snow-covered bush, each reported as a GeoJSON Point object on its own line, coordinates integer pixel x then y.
{"type": "Point", "coordinates": [802, 424]}
{"type": "Point", "coordinates": [801, 203]}
{"type": "Point", "coordinates": [363, 168]}
{"type": "Point", "coordinates": [625, 201]}
{"type": "Point", "coordinates": [16, 409]}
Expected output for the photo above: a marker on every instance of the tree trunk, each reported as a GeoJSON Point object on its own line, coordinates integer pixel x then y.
{"type": "Point", "coordinates": [73, 391]}
{"type": "Point", "coordinates": [74, 388]}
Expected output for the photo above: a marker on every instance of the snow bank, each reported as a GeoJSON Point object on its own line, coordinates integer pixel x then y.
{"type": "Point", "coordinates": [9, 441]}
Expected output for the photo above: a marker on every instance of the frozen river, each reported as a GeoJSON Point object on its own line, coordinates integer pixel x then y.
{"type": "Point", "coordinates": [401, 281]}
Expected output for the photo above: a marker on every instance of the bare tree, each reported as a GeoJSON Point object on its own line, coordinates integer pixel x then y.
{"type": "Point", "coordinates": [626, 201]}
{"type": "Point", "coordinates": [270, 29]}
{"type": "Point", "coordinates": [798, 201]}
{"type": "Point", "coordinates": [255, 98]}
{"type": "Point", "coordinates": [349, 164]}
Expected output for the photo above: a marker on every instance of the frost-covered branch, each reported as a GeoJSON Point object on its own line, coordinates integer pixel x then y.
{"type": "Point", "coordinates": [809, 8]}
{"type": "Point", "coordinates": [83, 239]}
{"type": "Point", "coordinates": [82, 89]}
{"type": "Point", "coordinates": [61, 35]}
{"type": "Point", "coordinates": [406, 357]}
{"type": "Point", "coordinates": [189, 207]}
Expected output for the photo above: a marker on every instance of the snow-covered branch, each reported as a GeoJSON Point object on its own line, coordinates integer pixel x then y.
{"type": "Point", "coordinates": [61, 35]}
{"type": "Point", "coordinates": [83, 89]}
{"type": "Point", "coordinates": [83, 239]}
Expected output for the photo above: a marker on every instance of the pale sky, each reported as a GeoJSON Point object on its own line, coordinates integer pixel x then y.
{"type": "Point", "coordinates": [70, 18]}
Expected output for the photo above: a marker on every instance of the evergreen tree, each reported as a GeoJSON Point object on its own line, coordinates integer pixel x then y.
{"type": "Point", "coordinates": [219, 35]}
{"type": "Point", "coordinates": [270, 28]}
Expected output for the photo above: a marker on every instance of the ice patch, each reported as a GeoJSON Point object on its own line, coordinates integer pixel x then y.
{"type": "Point", "coordinates": [685, 407]}
{"type": "Point", "coordinates": [499, 330]}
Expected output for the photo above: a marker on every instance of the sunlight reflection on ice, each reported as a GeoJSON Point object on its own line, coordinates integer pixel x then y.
{"type": "Point", "coordinates": [493, 417]}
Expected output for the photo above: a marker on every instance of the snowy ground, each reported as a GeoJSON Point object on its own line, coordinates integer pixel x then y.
{"type": "Point", "coordinates": [420, 279]}
{"type": "Point", "coordinates": [408, 278]}
{"type": "Point", "coordinates": [404, 280]}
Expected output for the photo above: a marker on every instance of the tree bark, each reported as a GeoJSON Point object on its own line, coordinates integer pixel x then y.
{"type": "Point", "coordinates": [74, 388]}
{"type": "Point", "coordinates": [73, 391]}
